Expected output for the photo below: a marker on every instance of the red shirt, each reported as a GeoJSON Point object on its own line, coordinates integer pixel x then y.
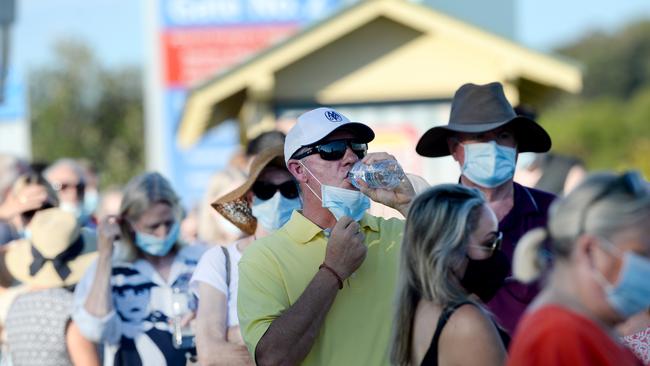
{"type": "Point", "coordinates": [554, 335]}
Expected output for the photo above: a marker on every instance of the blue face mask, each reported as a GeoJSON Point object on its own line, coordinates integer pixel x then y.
{"type": "Point", "coordinates": [631, 294]}
{"type": "Point", "coordinates": [274, 212]}
{"type": "Point", "coordinates": [340, 201]}
{"type": "Point", "coordinates": [25, 234]}
{"type": "Point", "coordinates": [91, 200]}
{"type": "Point", "coordinates": [489, 164]}
{"type": "Point", "coordinates": [156, 246]}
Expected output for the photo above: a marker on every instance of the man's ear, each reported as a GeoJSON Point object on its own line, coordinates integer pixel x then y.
{"type": "Point", "coordinates": [452, 144]}
{"type": "Point", "coordinates": [297, 170]}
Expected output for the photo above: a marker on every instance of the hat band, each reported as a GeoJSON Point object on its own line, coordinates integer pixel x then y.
{"type": "Point", "coordinates": [60, 262]}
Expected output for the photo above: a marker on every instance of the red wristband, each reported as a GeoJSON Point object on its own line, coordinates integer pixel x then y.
{"type": "Point", "coordinates": [332, 271]}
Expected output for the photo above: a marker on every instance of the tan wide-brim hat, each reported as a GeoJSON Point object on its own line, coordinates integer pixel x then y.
{"type": "Point", "coordinates": [481, 108]}
{"type": "Point", "coordinates": [233, 205]}
{"type": "Point", "coordinates": [54, 232]}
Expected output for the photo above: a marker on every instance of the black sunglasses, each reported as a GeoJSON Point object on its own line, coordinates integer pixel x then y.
{"type": "Point", "coordinates": [492, 244]}
{"type": "Point", "coordinates": [266, 190]}
{"type": "Point", "coordinates": [334, 150]}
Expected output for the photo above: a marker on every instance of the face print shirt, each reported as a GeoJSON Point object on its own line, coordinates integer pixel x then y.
{"type": "Point", "coordinates": [138, 330]}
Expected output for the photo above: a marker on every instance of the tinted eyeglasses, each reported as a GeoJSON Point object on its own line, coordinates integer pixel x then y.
{"type": "Point", "coordinates": [79, 187]}
{"type": "Point", "coordinates": [492, 244]}
{"type": "Point", "coordinates": [334, 150]}
{"type": "Point", "coordinates": [266, 190]}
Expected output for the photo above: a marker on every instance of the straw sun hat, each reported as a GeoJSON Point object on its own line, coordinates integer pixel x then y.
{"type": "Point", "coordinates": [233, 206]}
{"type": "Point", "coordinates": [57, 253]}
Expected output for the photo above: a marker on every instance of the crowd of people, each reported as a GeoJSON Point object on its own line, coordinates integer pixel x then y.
{"type": "Point", "coordinates": [283, 263]}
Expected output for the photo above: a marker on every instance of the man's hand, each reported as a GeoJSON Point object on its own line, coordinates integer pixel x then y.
{"type": "Point", "coordinates": [345, 248]}
{"type": "Point", "coordinates": [29, 198]}
{"type": "Point", "coordinates": [399, 198]}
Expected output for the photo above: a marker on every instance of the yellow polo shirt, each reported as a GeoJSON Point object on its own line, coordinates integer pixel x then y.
{"type": "Point", "coordinates": [274, 271]}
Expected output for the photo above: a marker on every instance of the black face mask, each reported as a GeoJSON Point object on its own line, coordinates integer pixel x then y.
{"type": "Point", "coordinates": [485, 277]}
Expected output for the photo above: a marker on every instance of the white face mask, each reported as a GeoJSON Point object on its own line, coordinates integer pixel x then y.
{"type": "Point", "coordinates": [525, 160]}
{"type": "Point", "coordinates": [340, 201]}
{"type": "Point", "coordinates": [76, 210]}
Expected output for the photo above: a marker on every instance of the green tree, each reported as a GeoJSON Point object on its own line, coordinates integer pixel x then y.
{"type": "Point", "coordinates": [81, 109]}
{"type": "Point", "coordinates": [616, 64]}
{"type": "Point", "coordinates": [608, 125]}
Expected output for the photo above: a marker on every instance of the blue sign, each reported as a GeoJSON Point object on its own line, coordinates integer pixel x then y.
{"type": "Point", "coordinates": [192, 168]}
{"type": "Point", "coordinates": [13, 104]}
{"type": "Point", "coordinates": [192, 13]}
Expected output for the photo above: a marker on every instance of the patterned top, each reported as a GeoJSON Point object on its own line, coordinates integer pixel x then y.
{"type": "Point", "coordinates": [639, 343]}
{"type": "Point", "coordinates": [36, 325]}
{"type": "Point", "coordinates": [137, 331]}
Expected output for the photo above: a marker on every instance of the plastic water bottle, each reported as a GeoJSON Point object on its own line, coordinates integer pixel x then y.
{"type": "Point", "coordinates": [182, 304]}
{"type": "Point", "coordinates": [385, 174]}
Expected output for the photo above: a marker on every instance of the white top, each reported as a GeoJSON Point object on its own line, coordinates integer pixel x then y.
{"type": "Point", "coordinates": [137, 329]}
{"type": "Point", "coordinates": [212, 270]}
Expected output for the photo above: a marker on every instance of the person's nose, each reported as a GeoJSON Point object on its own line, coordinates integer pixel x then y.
{"type": "Point", "coordinates": [161, 231]}
{"type": "Point", "coordinates": [350, 157]}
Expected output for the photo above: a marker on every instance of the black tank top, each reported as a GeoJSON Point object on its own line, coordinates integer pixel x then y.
{"type": "Point", "coordinates": [431, 357]}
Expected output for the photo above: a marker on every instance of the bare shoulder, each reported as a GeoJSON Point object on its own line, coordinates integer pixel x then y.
{"type": "Point", "coordinates": [470, 337]}
{"type": "Point", "coordinates": [469, 321]}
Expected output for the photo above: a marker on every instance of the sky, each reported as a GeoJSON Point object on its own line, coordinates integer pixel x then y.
{"type": "Point", "coordinates": [115, 28]}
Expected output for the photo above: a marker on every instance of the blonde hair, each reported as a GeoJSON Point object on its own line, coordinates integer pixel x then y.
{"type": "Point", "coordinates": [140, 194]}
{"type": "Point", "coordinates": [210, 230]}
{"type": "Point", "coordinates": [602, 205]}
{"type": "Point", "coordinates": [439, 224]}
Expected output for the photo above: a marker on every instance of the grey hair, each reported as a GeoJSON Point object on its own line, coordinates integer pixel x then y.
{"type": "Point", "coordinates": [11, 168]}
{"type": "Point", "coordinates": [603, 205]}
{"type": "Point", "coordinates": [66, 162]}
{"type": "Point", "coordinates": [140, 194]}
{"type": "Point", "coordinates": [439, 224]}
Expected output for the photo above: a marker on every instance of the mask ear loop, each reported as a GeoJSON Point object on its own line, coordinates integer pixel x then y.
{"type": "Point", "coordinates": [599, 276]}
{"type": "Point", "coordinates": [310, 173]}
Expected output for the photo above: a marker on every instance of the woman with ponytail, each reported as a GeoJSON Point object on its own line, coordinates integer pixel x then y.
{"type": "Point", "coordinates": [599, 237]}
{"type": "Point", "coordinates": [450, 264]}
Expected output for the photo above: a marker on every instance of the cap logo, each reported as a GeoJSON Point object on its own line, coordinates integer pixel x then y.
{"type": "Point", "coordinates": [333, 116]}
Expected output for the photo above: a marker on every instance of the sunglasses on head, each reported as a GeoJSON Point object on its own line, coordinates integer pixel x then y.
{"type": "Point", "coordinates": [630, 182]}
{"type": "Point", "coordinates": [334, 150]}
{"type": "Point", "coordinates": [266, 190]}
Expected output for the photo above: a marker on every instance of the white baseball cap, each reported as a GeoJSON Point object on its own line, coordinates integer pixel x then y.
{"type": "Point", "coordinates": [317, 124]}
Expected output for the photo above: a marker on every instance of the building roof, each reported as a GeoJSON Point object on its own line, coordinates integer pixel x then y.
{"type": "Point", "coordinates": [375, 51]}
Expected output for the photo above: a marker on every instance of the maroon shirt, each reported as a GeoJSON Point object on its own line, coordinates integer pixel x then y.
{"type": "Point", "coordinates": [529, 211]}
